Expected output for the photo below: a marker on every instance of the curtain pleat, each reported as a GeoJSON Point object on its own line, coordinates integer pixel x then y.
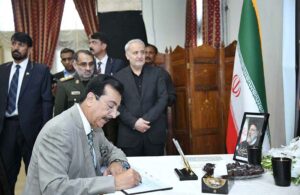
{"type": "Point", "coordinates": [88, 15]}
{"type": "Point", "coordinates": [41, 20]}
{"type": "Point", "coordinates": [191, 24]}
{"type": "Point", "coordinates": [211, 27]}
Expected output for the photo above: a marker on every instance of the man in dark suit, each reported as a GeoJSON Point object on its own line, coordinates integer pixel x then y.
{"type": "Point", "coordinates": [99, 44]}
{"type": "Point", "coordinates": [142, 126]}
{"type": "Point", "coordinates": [25, 105]}
{"type": "Point", "coordinates": [66, 56]}
{"type": "Point", "coordinates": [150, 54]}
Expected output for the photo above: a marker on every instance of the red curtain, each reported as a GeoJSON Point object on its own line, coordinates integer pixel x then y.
{"type": "Point", "coordinates": [41, 20]}
{"type": "Point", "coordinates": [88, 14]}
{"type": "Point", "coordinates": [191, 24]}
{"type": "Point", "coordinates": [211, 26]}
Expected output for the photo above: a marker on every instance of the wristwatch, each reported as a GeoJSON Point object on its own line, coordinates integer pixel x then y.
{"type": "Point", "coordinates": [124, 164]}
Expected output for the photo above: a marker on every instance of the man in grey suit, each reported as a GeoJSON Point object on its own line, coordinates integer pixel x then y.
{"type": "Point", "coordinates": [142, 126]}
{"type": "Point", "coordinates": [71, 154]}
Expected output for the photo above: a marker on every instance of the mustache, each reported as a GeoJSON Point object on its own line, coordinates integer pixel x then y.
{"type": "Point", "coordinates": [16, 51]}
{"type": "Point", "coordinates": [91, 49]}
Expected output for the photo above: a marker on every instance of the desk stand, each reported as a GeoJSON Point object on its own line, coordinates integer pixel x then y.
{"type": "Point", "coordinates": [185, 174]}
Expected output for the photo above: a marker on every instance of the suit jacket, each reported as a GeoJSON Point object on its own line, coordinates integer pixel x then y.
{"type": "Point", "coordinates": [113, 65]}
{"type": "Point", "coordinates": [35, 103]}
{"type": "Point", "coordinates": [61, 161]}
{"type": "Point", "coordinates": [68, 92]}
{"type": "Point", "coordinates": [149, 106]}
{"type": "Point", "coordinates": [59, 75]}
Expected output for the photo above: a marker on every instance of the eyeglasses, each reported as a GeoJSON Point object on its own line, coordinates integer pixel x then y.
{"type": "Point", "coordinates": [111, 108]}
{"type": "Point", "coordinates": [85, 64]}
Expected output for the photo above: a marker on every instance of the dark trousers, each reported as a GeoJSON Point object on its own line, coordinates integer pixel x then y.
{"type": "Point", "coordinates": [4, 186]}
{"type": "Point", "coordinates": [145, 148]}
{"type": "Point", "coordinates": [13, 148]}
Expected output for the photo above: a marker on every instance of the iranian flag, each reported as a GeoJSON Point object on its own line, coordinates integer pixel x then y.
{"type": "Point", "coordinates": [248, 86]}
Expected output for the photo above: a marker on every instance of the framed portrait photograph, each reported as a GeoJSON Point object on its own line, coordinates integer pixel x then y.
{"type": "Point", "coordinates": [251, 133]}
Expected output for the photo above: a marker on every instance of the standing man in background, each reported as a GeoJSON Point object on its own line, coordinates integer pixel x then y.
{"type": "Point", "coordinates": [25, 105]}
{"type": "Point", "coordinates": [69, 89]}
{"type": "Point", "coordinates": [150, 54]}
{"type": "Point", "coordinates": [99, 44]}
{"type": "Point", "coordinates": [142, 126]}
{"type": "Point", "coordinates": [66, 56]}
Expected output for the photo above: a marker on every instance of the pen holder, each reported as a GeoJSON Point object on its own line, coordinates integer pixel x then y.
{"type": "Point", "coordinates": [185, 174]}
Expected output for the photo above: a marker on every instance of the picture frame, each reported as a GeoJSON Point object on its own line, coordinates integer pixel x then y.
{"type": "Point", "coordinates": [252, 132]}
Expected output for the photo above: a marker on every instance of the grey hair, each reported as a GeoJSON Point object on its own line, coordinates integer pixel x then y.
{"type": "Point", "coordinates": [131, 42]}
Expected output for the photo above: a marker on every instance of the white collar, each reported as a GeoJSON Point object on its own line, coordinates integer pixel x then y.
{"type": "Point", "coordinates": [23, 64]}
{"type": "Point", "coordinates": [86, 124]}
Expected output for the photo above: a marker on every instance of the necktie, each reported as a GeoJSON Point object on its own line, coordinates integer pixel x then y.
{"type": "Point", "coordinates": [91, 145]}
{"type": "Point", "coordinates": [99, 67]}
{"type": "Point", "coordinates": [12, 93]}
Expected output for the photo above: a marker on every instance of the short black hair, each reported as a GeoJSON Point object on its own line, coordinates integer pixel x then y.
{"type": "Point", "coordinates": [67, 50]}
{"type": "Point", "coordinates": [87, 52]}
{"type": "Point", "coordinates": [97, 84]}
{"type": "Point", "coordinates": [153, 46]}
{"type": "Point", "coordinates": [22, 37]}
{"type": "Point", "coordinates": [100, 36]}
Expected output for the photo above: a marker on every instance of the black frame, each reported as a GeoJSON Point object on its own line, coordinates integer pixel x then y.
{"type": "Point", "coordinates": [260, 120]}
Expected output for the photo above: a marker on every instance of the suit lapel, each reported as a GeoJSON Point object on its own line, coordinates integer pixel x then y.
{"type": "Point", "coordinates": [147, 79]}
{"type": "Point", "coordinates": [108, 68]}
{"type": "Point", "coordinates": [27, 77]}
{"type": "Point", "coordinates": [5, 77]}
{"type": "Point", "coordinates": [89, 165]}
{"type": "Point", "coordinates": [131, 82]}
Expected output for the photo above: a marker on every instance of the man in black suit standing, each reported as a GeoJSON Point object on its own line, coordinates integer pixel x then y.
{"type": "Point", "coordinates": [25, 105]}
{"type": "Point", "coordinates": [142, 126]}
{"type": "Point", "coordinates": [99, 44]}
{"type": "Point", "coordinates": [66, 56]}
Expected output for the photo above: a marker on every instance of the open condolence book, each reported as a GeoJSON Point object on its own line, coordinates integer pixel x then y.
{"type": "Point", "coordinates": [149, 184]}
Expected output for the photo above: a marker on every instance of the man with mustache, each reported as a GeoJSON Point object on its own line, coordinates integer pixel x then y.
{"type": "Point", "coordinates": [25, 105]}
{"type": "Point", "coordinates": [71, 154]}
{"type": "Point", "coordinates": [99, 44]}
{"type": "Point", "coordinates": [150, 55]}
{"type": "Point", "coordinates": [69, 89]}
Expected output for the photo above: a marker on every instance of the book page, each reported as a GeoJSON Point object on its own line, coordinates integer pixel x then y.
{"type": "Point", "coordinates": [149, 184]}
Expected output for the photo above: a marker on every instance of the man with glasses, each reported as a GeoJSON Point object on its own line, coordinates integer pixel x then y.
{"type": "Point", "coordinates": [71, 154]}
{"type": "Point", "coordinates": [69, 89]}
{"type": "Point", "coordinates": [99, 44]}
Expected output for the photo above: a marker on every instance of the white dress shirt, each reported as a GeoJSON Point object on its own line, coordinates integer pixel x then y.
{"type": "Point", "coordinates": [103, 63]}
{"type": "Point", "coordinates": [23, 66]}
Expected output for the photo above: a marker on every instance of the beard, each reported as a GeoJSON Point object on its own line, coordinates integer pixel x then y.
{"type": "Point", "coordinates": [18, 56]}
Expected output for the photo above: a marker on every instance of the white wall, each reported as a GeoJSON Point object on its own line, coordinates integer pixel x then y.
{"type": "Point", "coordinates": [165, 22]}
{"type": "Point", "coordinates": [271, 14]}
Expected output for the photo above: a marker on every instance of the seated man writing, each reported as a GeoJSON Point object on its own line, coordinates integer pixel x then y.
{"type": "Point", "coordinates": [71, 151]}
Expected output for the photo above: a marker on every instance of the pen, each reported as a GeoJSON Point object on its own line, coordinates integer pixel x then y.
{"type": "Point", "coordinates": [186, 163]}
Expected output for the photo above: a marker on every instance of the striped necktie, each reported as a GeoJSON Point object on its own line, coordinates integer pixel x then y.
{"type": "Point", "coordinates": [91, 145]}
{"type": "Point", "coordinates": [12, 93]}
{"type": "Point", "coordinates": [99, 67]}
